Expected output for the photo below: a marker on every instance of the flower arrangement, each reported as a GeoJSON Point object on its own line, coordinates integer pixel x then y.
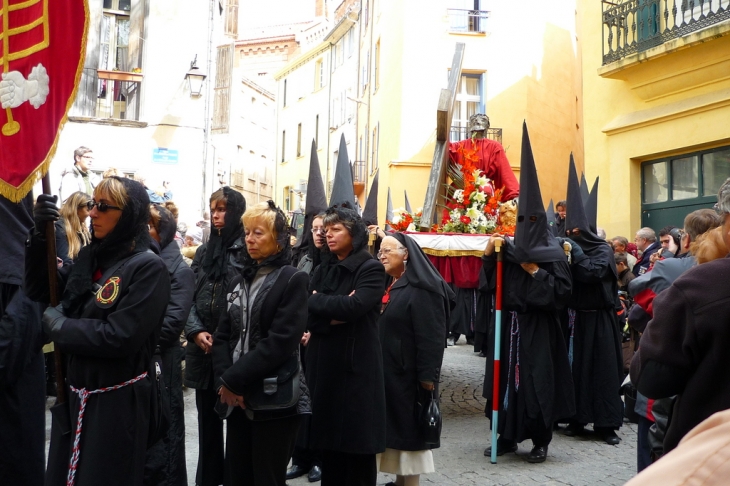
{"type": "Point", "coordinates": [404, 221]}
{"type": "Point", "coordinates": [473, 202]}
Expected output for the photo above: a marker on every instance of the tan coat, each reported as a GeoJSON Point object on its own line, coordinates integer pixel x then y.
{"type": "Point", "coordinates": [701, 458]}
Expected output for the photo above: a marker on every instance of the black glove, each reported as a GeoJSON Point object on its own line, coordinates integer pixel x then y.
{"type": "Point", "coordinates": [45, 210]}
{"type": "Point", "coordinates": [576, 252]}
{"type": "Point", "coordinates": [53, 319]}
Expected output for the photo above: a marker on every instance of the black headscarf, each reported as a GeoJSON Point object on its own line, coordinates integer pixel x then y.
{"type": "Point", "coordinates": [329, 275]}
{"type": "Point", "coordinates": [129, 236]}
{"type": "Point", "coordinates": [278, 259]}
{"type": "Point", "coordinates": [215, 260]}
{"type": "Point", "coordinates": [420, 271]}
{"type": "Point", "coordinates": [534, 241]}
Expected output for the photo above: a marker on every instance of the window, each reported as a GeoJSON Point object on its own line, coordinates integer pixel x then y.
{"type": "Point", "coordinates": [287, 198]}
{"type": "Point", "coordinates": [283, 146]}
{"type": "Point", "coordinates": [320, 74]}
{"type": "Point", "coordinates": [467, 16]}
{"type": "Point", "coordinates": [469, 101]}
{"type": "Point", "coordinates": [284, 96]}
{"type": "Point", "coordinates": [374, 155]}
{"type": "Point", "coordinates": [299, 140]}
{"type": "Point", "coordinates": [366, 13]}
{"type": "Point", "coordinates": [376, 67]}
{"type": "Point", "coordinates": [365, 73]}
{"type": "Point", "coordinates": [339, 52]}
{"type": "Point", "coordinates": [646, 20]}
{"type": "Point", "coordinates": [112, 96]}
{"type": "Point", "coordinates": [316, 131]}
{"type": "Point", "coordinates": [231, 18]}
{"type": "Point", "coordinates": [222, 93]}
{"type": "Point", "coordinates": [350, 38]}
{"type": "Point", "coordinates": [685, 177]}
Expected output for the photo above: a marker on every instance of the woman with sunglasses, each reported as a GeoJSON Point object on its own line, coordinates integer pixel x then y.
{"type": "Point", "coordinates": [113, 301]}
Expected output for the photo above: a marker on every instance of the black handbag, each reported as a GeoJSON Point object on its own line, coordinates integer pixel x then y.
{"type": "Point", "coordinates": [277, 392]}
{"type": "Point", "coordinates": [430, 421]}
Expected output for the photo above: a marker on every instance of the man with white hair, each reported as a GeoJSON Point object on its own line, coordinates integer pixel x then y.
{"type": "Point", "coordinates": [646, 243]}
{"type": "Point", "coordinates": [682, 346]}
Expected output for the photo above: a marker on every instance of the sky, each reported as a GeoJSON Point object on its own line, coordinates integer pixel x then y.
{"type": "Point", "coordinates": [255, 13]}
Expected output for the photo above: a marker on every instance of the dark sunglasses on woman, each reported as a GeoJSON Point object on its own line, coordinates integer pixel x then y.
{"type": "Point", "coordinates": [102, 207]}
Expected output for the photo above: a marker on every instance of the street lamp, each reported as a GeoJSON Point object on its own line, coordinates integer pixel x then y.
{"type": "Point", "coordinates": [195, 79]}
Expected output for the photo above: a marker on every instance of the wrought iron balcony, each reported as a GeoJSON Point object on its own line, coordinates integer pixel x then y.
{"type": "Point", "coordinates": [631, 26]}
{"type": "Point", "coordinates": [460, 133]}
{"type": "Point", "coordinates": [108, 95]}
{"type": "Point", "coordinates": [462, 20]}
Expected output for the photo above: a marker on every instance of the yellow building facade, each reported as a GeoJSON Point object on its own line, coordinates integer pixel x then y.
{"type": "Point", "coordinates": [656, 83]}
{"type": "Point", "coordinates": [516, 67]}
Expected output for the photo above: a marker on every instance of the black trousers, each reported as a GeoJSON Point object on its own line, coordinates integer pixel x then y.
{"type": "Point", "coordinates": [257, 453]}
{"type": "Point", "coordinates": [341, 468]}
{"type": "Point", "coordinates": [303, 455]}
{"type": "Point", "coordinates": [210, 439]}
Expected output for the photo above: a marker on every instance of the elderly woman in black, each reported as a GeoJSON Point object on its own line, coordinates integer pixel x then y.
{"type": "Point", "coordinates": [344, 359]}
{"type": "Point", "coordinates": [166, 458]}
{"type": "Point", "coordinates": [113, 302]}
{"type": "Point", "coordinates": [415, 310]}
{"type": "Point", "coordinates": [260, 332]}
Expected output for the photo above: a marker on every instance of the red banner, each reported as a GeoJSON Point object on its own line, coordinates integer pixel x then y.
{"type": "Point", "coordinates": [43, 50]}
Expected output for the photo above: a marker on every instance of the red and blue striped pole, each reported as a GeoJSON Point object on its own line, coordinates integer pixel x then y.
{"type": "Point", "coordinates": [497, 345]}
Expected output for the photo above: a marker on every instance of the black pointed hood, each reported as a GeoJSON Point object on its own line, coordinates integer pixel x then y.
{"type": "Point", "coordinates": [576, 217]}
{"type": "Point", "coordinates": [343, 188]}
{"type": "Point", "coordinates": [584, 193]}
{"type": "Point", "coordinates": [591, 208]}
{"type": "Point", "coordinates": [534, 242]}
{"type": "Point", "coordinates": [408, 203]}
{"type": "Point", "coordinates": [316, 201]}
{"type": "Point", "coordinates": [389, 211]}
{"type": "Point", "coordinates": [551, 218]}
{"type": "Point", "coordinates": [370, 213]}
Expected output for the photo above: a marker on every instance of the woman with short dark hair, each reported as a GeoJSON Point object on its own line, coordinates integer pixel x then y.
{"type": "Point", "coordinates": [344, 358]}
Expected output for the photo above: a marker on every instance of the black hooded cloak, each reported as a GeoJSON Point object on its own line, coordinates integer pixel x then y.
{"type": "Point", "coordinates": [594, 336]}
{"type": "Point", "coordinates": [535, 383]}
{"type": "Point", "coordinates": [108, 338]}
{"type": "Point", "coordinates": [412, 328]}
{"type": "Point", "coordinates": [22, 380]}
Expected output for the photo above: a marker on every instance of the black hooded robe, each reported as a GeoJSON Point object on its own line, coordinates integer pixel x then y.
{"type": "Point", "coordinates": [543, 390]}
{"type": "Point", "coordinates": [597, 358]}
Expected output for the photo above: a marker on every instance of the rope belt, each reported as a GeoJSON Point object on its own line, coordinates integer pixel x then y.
{"type": "Point", "coordinates": [83, 394]}
{"type": "Point", "coordinates": [514, 331]}
{"type": "Point", "coordinates": [571, 326]}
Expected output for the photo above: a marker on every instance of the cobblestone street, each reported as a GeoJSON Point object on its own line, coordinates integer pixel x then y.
{"type": "Point", "coordinates": [578, 461]}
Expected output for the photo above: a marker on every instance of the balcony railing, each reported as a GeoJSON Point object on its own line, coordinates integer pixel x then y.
{"type": "Point", "coordinates": [460, 133]}
{"type": "Point", "coordinates": [359, 172]}
{"type": "Point", "coordinates": [461, 20]}
{"type": "Point", "coordinates": [631, 26]}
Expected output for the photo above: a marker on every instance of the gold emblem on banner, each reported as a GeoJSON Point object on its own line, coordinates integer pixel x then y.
{"type": "Point", "coordinates": [12, 127]}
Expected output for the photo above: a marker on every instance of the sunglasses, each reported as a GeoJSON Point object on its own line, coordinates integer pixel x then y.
{"type": "Point", "coordinates": [102, 207]}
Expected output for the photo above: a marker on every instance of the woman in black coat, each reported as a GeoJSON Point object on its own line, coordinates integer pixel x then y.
{"type": "Point", "coordinates": [113, 303]}
{"type": "Point", "coordinates": [344, 358]}
{"type": "Point", "coordinates": [259, 333]}
{"type": "Point", "coordinates": [415, 310]}
{"type": "Point", "coordinates": [166, 459]}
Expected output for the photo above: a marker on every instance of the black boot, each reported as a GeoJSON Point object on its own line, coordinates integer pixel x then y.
{"type": "Point", "coordinates": [538, 454]}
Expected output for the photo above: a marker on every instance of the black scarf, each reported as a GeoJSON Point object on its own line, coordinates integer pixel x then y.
{"type": "Point", "coordinates": [215, 261]}
{"type": "Point", "coordinates": [129, 236]}
{"type": "Point", "coordinates": [278, 259]}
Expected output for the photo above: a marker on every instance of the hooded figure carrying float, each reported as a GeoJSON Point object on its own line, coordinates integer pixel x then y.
{"type": "Point", "coordinates": [535, 382]}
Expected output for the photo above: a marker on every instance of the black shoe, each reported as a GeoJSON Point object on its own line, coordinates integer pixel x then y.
{"type": "Point", "coordinates": [470, 341]}
{"type": "Point", "coordinates": [296, 471]}
{"type": "Point", "coordinates": [610, 437]}
{"type": "Point", "coordinates": [315, 474]}
{"type": "Point", "coordinates": [503, 447]}
{"type": "Point", "coordinates": [482, 355]}
{"type": "Point", "coordinates": [537, 454]}
{"type": "Point", "coordinates": [450, 342]}
{"type": "Point", "coordinates": [574, 429]}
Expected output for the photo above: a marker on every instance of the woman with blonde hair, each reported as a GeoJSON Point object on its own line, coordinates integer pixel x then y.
{"type": "Point", "coordinates": [72, 233]}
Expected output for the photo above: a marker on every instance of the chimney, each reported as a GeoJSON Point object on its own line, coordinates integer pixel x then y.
{"type": "Point", "coordinates": [319, 8]}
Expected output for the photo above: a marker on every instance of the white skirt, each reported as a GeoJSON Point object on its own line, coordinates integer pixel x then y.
{"type": "Point", "coordinates": [406, 463]}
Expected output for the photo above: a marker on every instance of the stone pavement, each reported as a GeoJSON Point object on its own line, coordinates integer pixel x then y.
{"type": "Point", "coordinates": [578, 461]}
